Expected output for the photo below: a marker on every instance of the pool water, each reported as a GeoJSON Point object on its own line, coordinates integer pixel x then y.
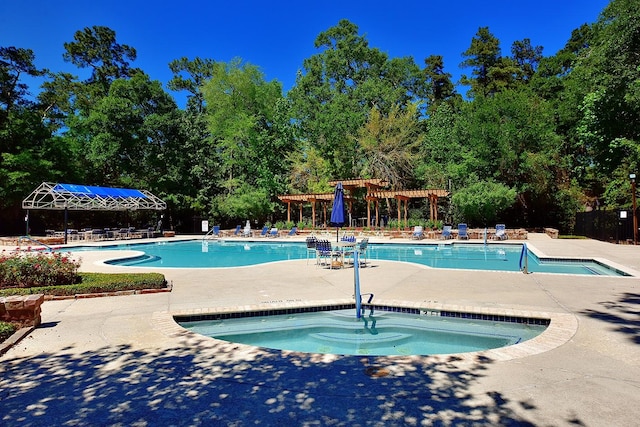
{"type": "Point", "coordinates": [220, 253]}
{"type": "Point", "coordinates": [379, 334]}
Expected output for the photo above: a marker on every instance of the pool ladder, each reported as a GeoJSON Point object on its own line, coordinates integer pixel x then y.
{"type": "Point", "coordinates": [368, 303]}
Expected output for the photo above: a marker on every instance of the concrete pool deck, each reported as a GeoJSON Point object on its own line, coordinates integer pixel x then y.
{"type": "Point", "coordinates": [123, 361]}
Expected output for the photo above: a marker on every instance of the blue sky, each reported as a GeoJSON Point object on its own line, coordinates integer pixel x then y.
{"type": "Point", "coordinates": [277, 36]}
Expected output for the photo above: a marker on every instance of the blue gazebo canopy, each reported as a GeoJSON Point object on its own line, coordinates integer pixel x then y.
{"type": "Point", "coordinates": [86, 197]}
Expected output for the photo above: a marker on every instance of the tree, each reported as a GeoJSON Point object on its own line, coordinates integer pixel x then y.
{"type": "Point", "coordinates": [28, 152]}
{"type": "Point", "coordinates": [509, 138]}
{"type": "Point", "coordinates": [250, 136]}
{"type": "Point", "coordinates": [129, 130]}
{"type": "Point", "coordinates": [481, 57]}
{"type": "Point", "coordinates": [15, 63]}
{"type": "Point", "coordinates": [481, 203]}
{"type": "Point", "coordinates": [439, 86]}
{"type": "Point", "coordinates": [198, 71]}
{"type": "Point", "coordinates": [339, 87]}
{"type": "Point", "coordinates": [96, 48]}
{"type": "Point", "coordinates": [527, 57]}
{"type": "Point", "coordinates": [388, 144]}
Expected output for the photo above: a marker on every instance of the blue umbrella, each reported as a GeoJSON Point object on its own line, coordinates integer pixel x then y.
{"type": "Point", "coordinates": [337, 211]}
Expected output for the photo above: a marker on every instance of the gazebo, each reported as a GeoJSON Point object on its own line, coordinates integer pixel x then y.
{"type": "Point", "coordinates": [55, 196]}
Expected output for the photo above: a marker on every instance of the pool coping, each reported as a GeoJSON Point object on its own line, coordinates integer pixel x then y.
{"type": "Point", "coordinates": [561, 329]}
{"type": "Point", "coordinates": [624, 271]}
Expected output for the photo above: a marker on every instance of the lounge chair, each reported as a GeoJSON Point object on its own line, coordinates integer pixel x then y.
{"type": "Point", "coordinates": [293, 231]}
{"type": "Point", "coordinates": [265, 231]}
{"type": "Point", "coordinates": [501, 232]}
{"type": "Point", "coordinates": [273, 232]}
{"type": "Point", "coordinates": [216, 230]}
{"type": "Point", "coordinates": [446, 232]}
{"type": "Point", "coordinates": [246, 232]}
{"type": "Point", "coordinates": [237, 231]}
{"type": "Point", "coordinates": [418, 233]}
{"type": "Point", "coordinates": [462, 231]}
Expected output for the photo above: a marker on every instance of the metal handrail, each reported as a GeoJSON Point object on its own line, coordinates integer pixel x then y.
{"type": "Point", "coordinates": [210, 232]}
{"type": "Point", "coordinates": [21, 238]}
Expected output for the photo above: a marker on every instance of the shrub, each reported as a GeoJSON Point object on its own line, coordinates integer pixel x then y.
{"type": "Point", "coordinates": [97, 283]}
{"type": "Point", "coordinates": [37, 269]}
{"type": "Point", "coordinates": [6, 330]}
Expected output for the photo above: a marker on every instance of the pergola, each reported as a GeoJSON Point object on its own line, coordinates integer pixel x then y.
{"type": "Point", "coordinates": [324, 199]}
{"type": "Point", "coordinates": [404, 196]}
{"type": "Point", "coordinates": [374, 193]}
{"type": "Point", "coordinates": [55, 196]}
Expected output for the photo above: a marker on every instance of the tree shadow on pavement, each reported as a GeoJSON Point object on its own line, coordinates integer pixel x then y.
{"type": "Point", "coordinates": [209, 382]}
{"type": "Point", "coordinates": [623, 314]}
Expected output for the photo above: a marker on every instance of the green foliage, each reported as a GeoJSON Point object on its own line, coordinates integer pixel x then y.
{"type": "Point", "coordinates": [340, 85]}
{"type": "Point", "coordinates": [482, 202]}
{"type": "Point", "coordinates": [37, 269]}
{"type": "Point", "coordinates": [244, 203]}
{"type": "Point", "coordinates": [388, 144]}
{"type": "Point", "coordinates": [250, 136]}
{"type": "Point", "coordinates": [559, 131]}
{"type": "Point", "coordinates": [6, 330]}
{"type": "Point", "coordinates": [97, 283]}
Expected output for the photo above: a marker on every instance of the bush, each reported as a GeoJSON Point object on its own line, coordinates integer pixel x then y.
{"type": "Point", "coordinates": [6, 330]}
{"type": "Point", "coordinates": [37, 269]}
{"type": "Point", "coordinates": [96, 283]}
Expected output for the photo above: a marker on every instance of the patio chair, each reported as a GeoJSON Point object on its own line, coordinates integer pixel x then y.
{"type": "Point", "coordinates": [293, 231]}
{"type": "Point", "coordinates": [501, 232]}
{"type": "Point", "coordinates": [265, 231]}
{"type": "Point", "coordinates": [311, 246]}
{"type": "Point", "coordinates": [273, 232]}
{"type": "Point", "coordinates": [418, 233]}
{"type": "Point", "coordinates": [216, 230]}
{"type": "Point", "coordinates": [362, 250]}
{"type": "Point", "coordinates": [247, 230]}
{"type": "Point", "coordinates": [324, 251]}
{"type": "Point", "coordinates": [348, 238]}
{"type": "Point", "coordinates": [446, 232]}
{"type": "Point", "coordinates": [463, 232]}
{"type": "Point", "coordinates": [236, 232]}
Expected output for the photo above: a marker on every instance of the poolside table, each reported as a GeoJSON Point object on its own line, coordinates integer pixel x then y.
{"type": "Point", "coordinates": [343, 248]}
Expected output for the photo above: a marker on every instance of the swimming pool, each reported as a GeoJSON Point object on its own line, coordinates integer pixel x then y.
{"type": "Point", "coordinates": [382, 333]}
{"type": "Point", "coordinates": [469, 256]}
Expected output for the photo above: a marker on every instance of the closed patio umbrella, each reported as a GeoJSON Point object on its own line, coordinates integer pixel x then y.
{"type": "Point", "coordinates": [337, 211]}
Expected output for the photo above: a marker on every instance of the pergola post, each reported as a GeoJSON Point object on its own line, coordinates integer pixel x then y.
{"type": "Point", "coordinates": [288, 211]}
{"type": "Point", "coordinates": [301, 206]}
{"type": "Point", "coordinates": [324, 212]}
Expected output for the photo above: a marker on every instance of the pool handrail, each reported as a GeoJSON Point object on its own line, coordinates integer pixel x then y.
{"type": "Point", "coordinates": [21, 238]}
{"type": "Point", "coordinates": [524, 255]}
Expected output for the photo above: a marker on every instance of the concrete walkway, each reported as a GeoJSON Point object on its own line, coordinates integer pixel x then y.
{"type": "Point", "coordinates": [123, 361]}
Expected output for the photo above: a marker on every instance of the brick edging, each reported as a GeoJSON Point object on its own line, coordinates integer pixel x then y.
{"type": "Point", "coordinates": [108, 294]}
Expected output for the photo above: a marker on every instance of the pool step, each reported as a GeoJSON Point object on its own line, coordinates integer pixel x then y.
{"type": "Point", "coordinates": [350, 337]}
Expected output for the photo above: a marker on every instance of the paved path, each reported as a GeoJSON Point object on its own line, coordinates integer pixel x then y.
{"type": "Point", "coordinates": [123, 361]}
